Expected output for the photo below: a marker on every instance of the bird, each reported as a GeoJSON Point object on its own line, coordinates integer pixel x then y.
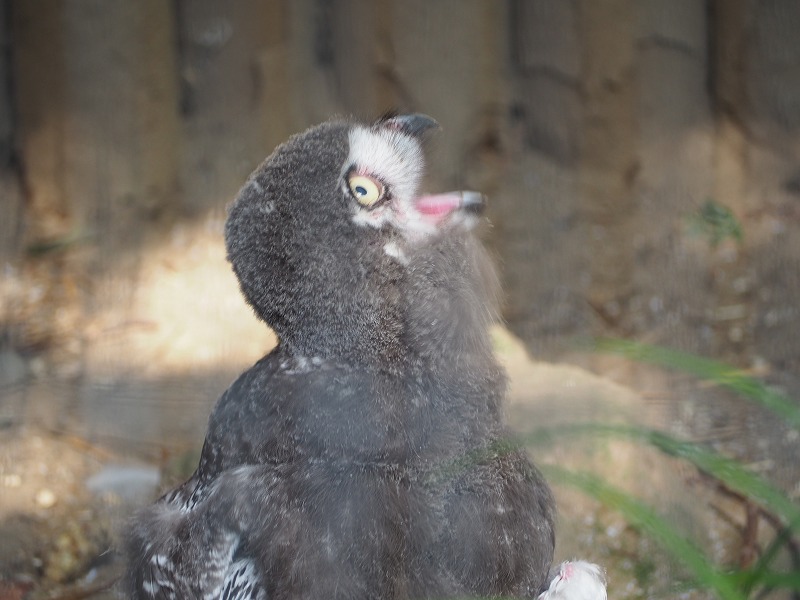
{"type": "Point", "coordinates": [366, 456]}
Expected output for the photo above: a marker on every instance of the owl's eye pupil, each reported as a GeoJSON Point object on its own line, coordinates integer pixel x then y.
{"type": "Point", "coordinates": [365, 189]}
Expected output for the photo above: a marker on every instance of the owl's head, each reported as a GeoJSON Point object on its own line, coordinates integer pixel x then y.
{"type": "Point", "coordinates": [329, 232]}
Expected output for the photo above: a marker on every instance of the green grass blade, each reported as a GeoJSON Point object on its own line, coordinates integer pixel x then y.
{"type": "Point", "coordinates": [724, 469]}
{"type": "Point", "coordinates": [759, 574]}
{"type": "Point", "coordinates": [707, 369]}
{"type": "Point", "coordinates": [644, 518]}
{"type": "Point", "coordinates": [751, 580]}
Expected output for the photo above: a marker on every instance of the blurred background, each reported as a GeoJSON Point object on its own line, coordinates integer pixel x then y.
{"type": "Point", "coordinates": [642, 160]}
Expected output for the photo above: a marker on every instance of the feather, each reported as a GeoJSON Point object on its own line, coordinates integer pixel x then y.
{"type": "Point", "coordinates": [576, 580]}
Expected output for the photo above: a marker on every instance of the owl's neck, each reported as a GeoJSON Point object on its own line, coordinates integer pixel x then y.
{"type": "Point", "coordinates": [432, 311]}
{"type": "Point", "coordinates": [451, 301]}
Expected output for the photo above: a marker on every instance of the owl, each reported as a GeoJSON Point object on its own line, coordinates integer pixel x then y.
{"type": "Point", "coordinates": [366, 455]}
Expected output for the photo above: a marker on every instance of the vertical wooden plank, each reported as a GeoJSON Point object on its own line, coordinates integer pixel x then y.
{"type": "Point", "coordinates": [274, 76]}
{"type": "Point", "coordinates": [676, 151]}
{"type": "Point", "coordinates": [547, 62]}
{"type": "Point", "coordinates": [312, 62]}
{"type": "Point", "coordinates": [96, 97]}
{"type": "Point", "coordinates": [120, 118]}
{"type": "Point", "coordinates": [757, 92]}
{"type": "Point", "coordinates": [341, 58]}
{"type": "Point", "coordinates": [772, 72]}
{"type": "Point", "coordinates": [772, 66]}
{"type": "Point", "coordinates": [608, 157]}
{"type": "Point", "coordinates": [729, 49]}
{"type": "Point", "coordinates": [441, 49]}
{"type": "Point", "coordinates": [39, 94]}
{"type": "Point", "coordinates": [356, 50]}
{"type": "Point", "coordinates": [233, 63]}
{"type": "Point", "coordinates": [729, 28]}
{"type": "Point", "coordinates": [158, 143]}
{"type": "Point", "coordinates": [673, 72]}
{"type": "Point", "coordinates": [10, 198]}
{"type": "Point", "coordinates": [6, 117]}
{"type": "Point", "coordinates": [388, 96]}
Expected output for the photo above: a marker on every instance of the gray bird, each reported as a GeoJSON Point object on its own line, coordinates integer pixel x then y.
{"type": "Point", "coordinates": [365, 456]}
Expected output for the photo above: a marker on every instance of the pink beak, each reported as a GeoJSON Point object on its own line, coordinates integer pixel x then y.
{"type": "Point", "coordinates": [436, 207]}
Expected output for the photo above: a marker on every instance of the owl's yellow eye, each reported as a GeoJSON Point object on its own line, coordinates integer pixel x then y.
{"type": "Point", "coordinates": [365, 189]}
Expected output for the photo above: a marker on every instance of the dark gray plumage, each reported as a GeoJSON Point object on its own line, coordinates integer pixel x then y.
{"type": "Point", "coordinates": [363, 457]}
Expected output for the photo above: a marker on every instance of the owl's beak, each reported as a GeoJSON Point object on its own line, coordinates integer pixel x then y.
{"type": "Point", "coordinates": [437, 207]}
{"type": "Point", "coordinates": [473, 203]}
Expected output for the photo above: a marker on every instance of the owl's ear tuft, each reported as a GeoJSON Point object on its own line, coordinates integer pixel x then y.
{"type": "Point", "coordinates": [414, 124]}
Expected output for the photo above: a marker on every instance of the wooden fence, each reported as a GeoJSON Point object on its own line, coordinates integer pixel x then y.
{"type": "Point", "coordinates": [597, 126]}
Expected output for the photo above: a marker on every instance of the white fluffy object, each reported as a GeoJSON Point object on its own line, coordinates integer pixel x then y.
{"type": "Point", "coordinates": [576, 580]}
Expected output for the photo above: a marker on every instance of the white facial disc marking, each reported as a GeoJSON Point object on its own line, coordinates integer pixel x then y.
{"type": "Point", "coordinates": [396, 159]}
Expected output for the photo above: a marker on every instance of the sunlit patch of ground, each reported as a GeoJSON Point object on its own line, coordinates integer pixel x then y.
{"type": "Point", "coordinates": [186, 314]}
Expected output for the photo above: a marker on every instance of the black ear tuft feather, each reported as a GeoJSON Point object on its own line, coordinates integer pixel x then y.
{"type": "Point", "coordinates": [389, 114]}
{"type": "Point", "coordinates": [414, 124]}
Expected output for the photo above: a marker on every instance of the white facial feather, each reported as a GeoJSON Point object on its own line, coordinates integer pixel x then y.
{"type": "Point", "coordinates": [396, 160]}
{"type": "Point", "coordinates": [391, 156]}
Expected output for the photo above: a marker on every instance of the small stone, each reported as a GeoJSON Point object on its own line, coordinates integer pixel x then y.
{"type": "Point", "coordinates": [45, 498]}
{"type": "Point", "coordinates": [12, 480]}
{"type": "Point", "coordinates": [131, 484]}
